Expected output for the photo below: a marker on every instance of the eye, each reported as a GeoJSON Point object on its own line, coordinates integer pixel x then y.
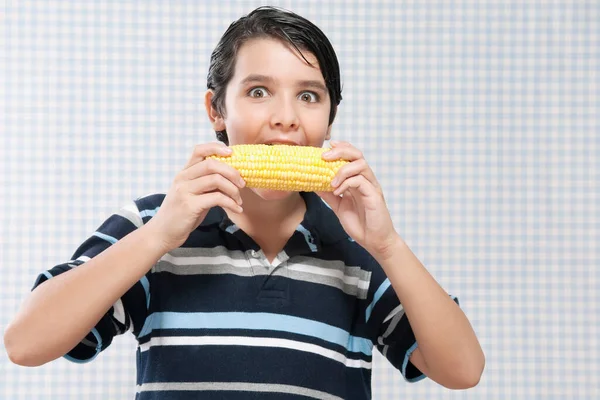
{"type": "Point", "coordinates": [309, 97]}
{"type": "Point", "coordinates": [258, 92]}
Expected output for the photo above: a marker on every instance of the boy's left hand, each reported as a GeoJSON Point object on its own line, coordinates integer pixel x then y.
{"type": "Point", "coordinates": [361, 208]}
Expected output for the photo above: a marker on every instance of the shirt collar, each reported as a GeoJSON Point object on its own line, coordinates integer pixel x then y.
{"type": "Point", "coordinates": [321, 220]}
{"type": "Point", "coordinates": [319, 227]}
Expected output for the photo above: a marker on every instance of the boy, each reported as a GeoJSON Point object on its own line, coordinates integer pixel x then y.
{"type": "Point", "coordinates": [236, 292]}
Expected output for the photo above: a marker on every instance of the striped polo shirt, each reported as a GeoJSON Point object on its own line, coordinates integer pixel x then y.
{"type": "Point", "coordinates": [215, 319]}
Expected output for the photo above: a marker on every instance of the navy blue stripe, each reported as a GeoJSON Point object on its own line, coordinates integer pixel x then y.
{"type": "Point", "coordinates": [250, 364]}
{"type": "Point", "coordinates": [150, 202]}
{"type": "Point", "coordinates": [278, 294]}
{"type": "Point", "coordinates": [116, 226]}
{"type": "Point", "coordinates": [91, 247]}
{"type": "Point", "coordinates": [135, 302]}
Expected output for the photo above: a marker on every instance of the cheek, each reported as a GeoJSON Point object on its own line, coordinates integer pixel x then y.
{"type": "Point", "coordinates": [316, 122]}
{"type": "Point", "coordinates": [242, 118]}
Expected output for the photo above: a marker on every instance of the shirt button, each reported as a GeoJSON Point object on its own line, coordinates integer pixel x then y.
{"type": "Point", "coordinates": [254, 253]}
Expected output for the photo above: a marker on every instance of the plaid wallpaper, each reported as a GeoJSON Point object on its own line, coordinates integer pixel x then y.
{"type": "Point", "coordinates": [479, 118]}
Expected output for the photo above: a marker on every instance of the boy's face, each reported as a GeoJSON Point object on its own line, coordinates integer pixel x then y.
{"type": "Point", "coordinates": [274, 96]}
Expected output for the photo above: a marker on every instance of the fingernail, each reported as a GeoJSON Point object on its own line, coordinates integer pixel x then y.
{"type": "Point", "coordinates": [242, 183]}
{"type": "Point", "coordinates": [227, 149]}
{"type": "Point", "coordinates": [334, 182]}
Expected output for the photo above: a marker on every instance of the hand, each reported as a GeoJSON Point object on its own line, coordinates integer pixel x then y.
{"type": "Point", "coordinates": [201, 185]}
{"type": "Point", "coordinates": [358, 201]}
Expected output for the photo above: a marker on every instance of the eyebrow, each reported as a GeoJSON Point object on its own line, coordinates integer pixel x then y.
{"type": "Point", "coordinates": [257, 78]}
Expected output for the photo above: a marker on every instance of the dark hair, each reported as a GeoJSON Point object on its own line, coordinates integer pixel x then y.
{"type": "Point", "coordinates": [279, 24]}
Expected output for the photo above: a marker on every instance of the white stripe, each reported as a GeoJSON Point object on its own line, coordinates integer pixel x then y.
{"type": "Point", "coordinates": [255, 342]}
{"type": "Point", "coordinates": [242, 263]}
{"type": "Point", "coordinates": [84, 259]}
{"type": "Point", "coordinates": [393, 312]}
{"type": "Point", "coordinates": [119, 312]}
{"type": "Point", "coordinates": [235, 386]}
{"type": "Point", "coordinates": [334, 273]}
{"type": "Point", "coordinates": [202, 261]}
{"type": "Point", "coordinates": [131, 212]}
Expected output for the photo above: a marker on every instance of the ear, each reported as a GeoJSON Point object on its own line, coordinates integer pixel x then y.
{"type": "Point", "coordinates": [216, 120]}
{"type": "Point", "coordinates": [328, 135]}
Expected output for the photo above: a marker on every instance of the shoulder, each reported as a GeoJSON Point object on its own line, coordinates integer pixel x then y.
{"type": "Point", "coordinates": [149, 201]}
{"type": "Point", "coordinates": [137, 211]}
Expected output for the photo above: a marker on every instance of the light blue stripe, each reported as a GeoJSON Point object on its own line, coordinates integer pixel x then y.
{"type": "Point", "coordinates": [146, 284]}
{"type": "Point", "coordinates": [257, 321]}
{"type": "Point", "coordinates": [382, 288]}
{"type": "Point", "coordinates": [232, 228]}
{"type": "Point", "coordinates": [47, 274]}
{"type": "Point", "coordinates": [108, 238]}
{"type": "Point", "coordinates": [98, 349]}
{"type": "Point", "coordinates": [307, 237]}
{"type": "Point", "coordinates": [149, 213]}
{"type": "Point", "coordinates": [455, 299]}
{"type": "Point", "coordinates": [405, 364]}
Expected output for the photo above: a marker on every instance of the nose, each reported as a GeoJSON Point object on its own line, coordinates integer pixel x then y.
{"type": "Point", "coordinates": [284, 116]}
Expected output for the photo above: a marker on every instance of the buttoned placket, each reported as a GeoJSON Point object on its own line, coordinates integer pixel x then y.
{"type": "Point", "coordinates": [261, 266]}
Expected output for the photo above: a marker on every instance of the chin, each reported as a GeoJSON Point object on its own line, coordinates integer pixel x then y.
{"type": "Point", "coordinates": [268, 194]}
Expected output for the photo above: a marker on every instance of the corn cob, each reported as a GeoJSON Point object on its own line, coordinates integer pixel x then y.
{"type": "Point", "coordinates": [283, 167]}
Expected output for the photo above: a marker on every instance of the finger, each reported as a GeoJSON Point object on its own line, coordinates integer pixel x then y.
{"type": "Point", "coordinates": [343, 151]}
{"type": "Point", "coordinates": [213, 199]}
{"type": "Point", "coordinates": [331, 200]}
{"type": "Point", "coordinates": [340, 143]}
{"type": "Point", "coordinates": [204, 150]}
{"type": "Point", "coordinates": [214, 182]}
{"type": "Point", "coordinates": [211, 166]}
{"type": "Point", "coordinates": [358, 167]}
{"type": "Point", "coordinates": [359, 182]}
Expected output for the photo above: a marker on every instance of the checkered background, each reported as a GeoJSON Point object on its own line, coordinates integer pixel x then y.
{"type": "Point", "coordinates": [479, 118]}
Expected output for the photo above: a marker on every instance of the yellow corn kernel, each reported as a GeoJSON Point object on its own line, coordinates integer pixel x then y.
{"type": "Point", "coordinates": [283, 167]}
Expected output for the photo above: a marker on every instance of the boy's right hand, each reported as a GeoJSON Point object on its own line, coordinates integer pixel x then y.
{"type": "Point", "coordinates": [201, 185]}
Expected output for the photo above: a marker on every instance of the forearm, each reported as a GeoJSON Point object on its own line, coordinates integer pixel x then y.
{"type": "Point", "coordinates": [444, 335]}
{"type": "Point", "coordinates": [62, 311]}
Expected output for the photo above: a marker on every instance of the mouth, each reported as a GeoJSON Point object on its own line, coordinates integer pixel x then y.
{"type": "Point", "coordinates": [284, 142]}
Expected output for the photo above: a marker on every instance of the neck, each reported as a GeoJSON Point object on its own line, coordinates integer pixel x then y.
{"type": "Point", "coordinates": [258, 209]}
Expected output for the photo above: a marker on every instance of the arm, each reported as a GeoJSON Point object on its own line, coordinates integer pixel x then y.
{"type": "Point", "coordinates": [61, 311]}
{"type": "Point", "coordinates": [448, 351]}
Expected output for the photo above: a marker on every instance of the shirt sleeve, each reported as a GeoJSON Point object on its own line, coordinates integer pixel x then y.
{"type": "Point", "coordinates": [389, 327]}
{"type": "Point", "coordinates": [130, 311]}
